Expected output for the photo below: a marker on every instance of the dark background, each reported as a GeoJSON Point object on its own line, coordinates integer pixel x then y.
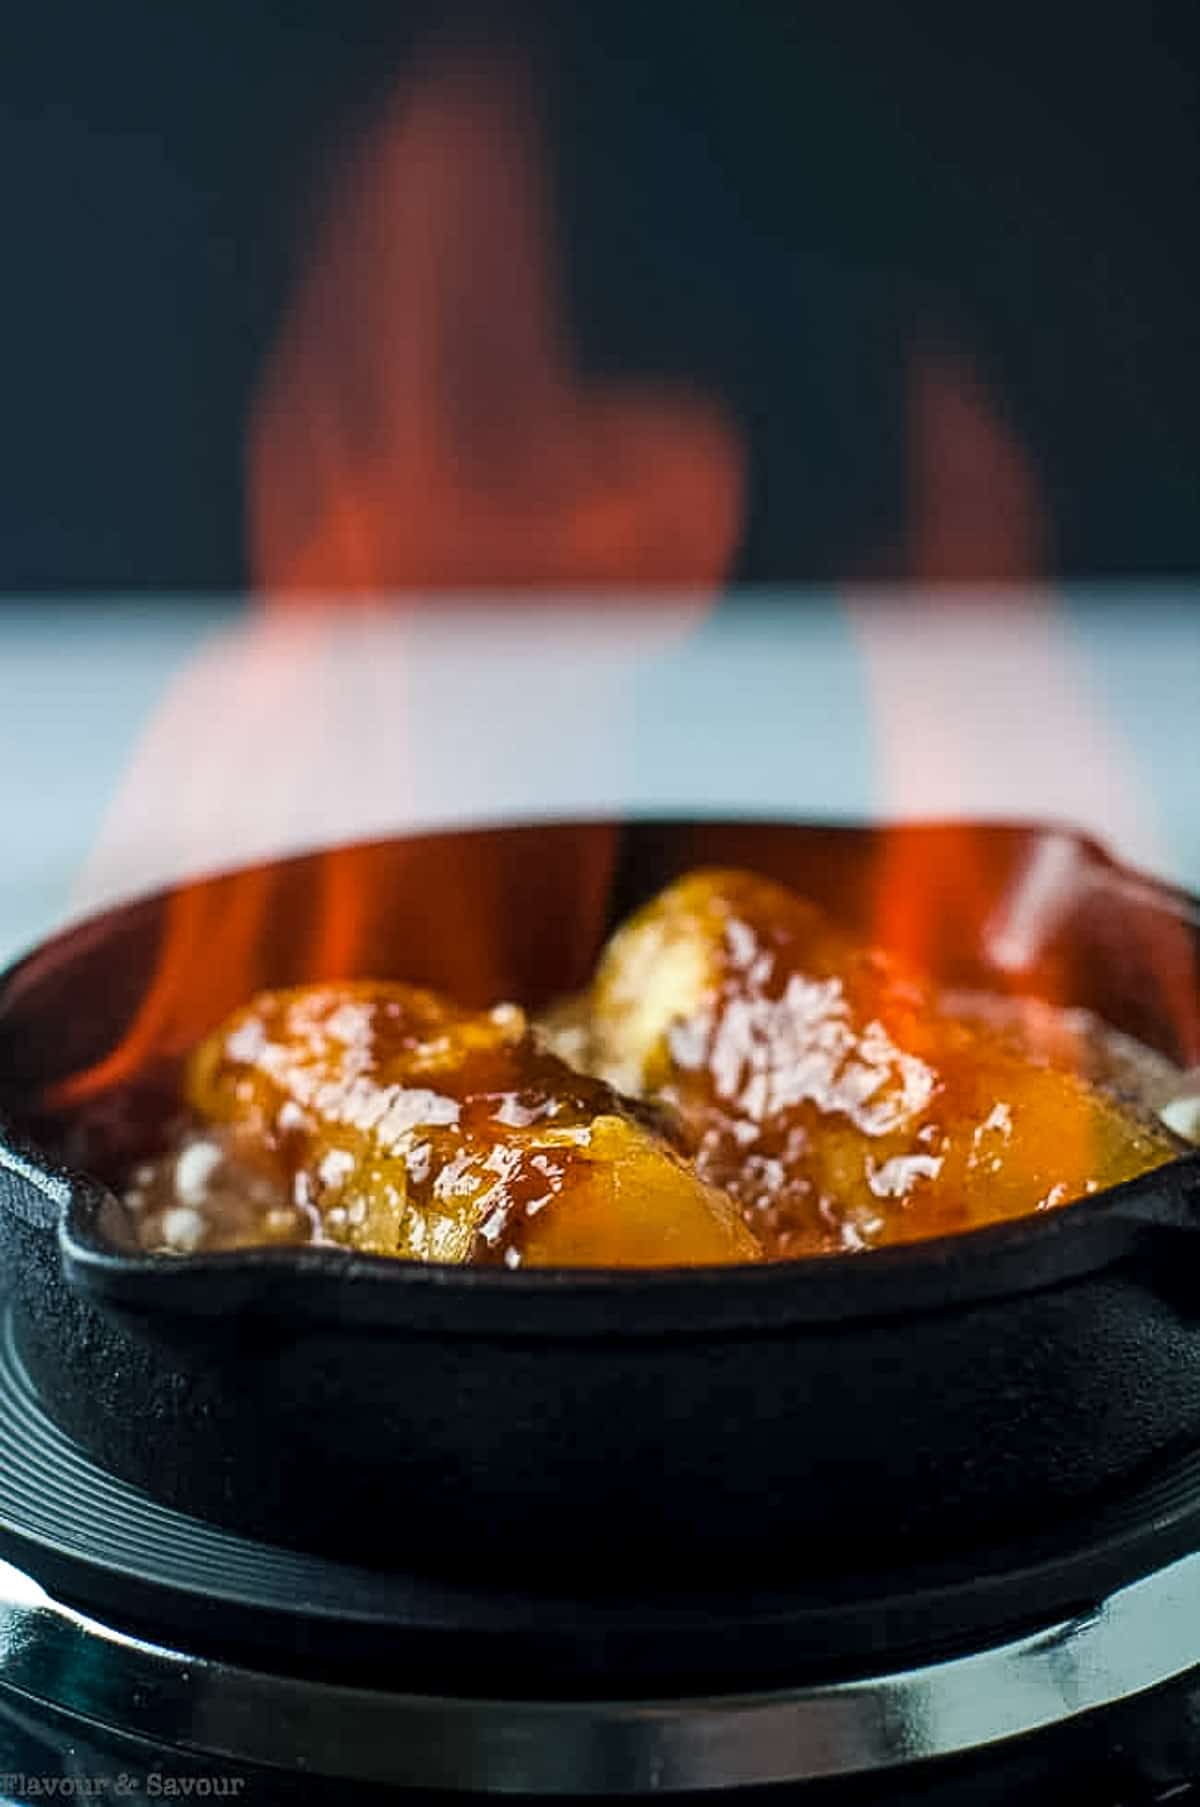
{"type": "Point", "coordinates": [774, 201]}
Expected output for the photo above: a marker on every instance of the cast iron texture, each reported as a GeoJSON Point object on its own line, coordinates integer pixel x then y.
{"type": "Point", "coordinates": [738, 1423]}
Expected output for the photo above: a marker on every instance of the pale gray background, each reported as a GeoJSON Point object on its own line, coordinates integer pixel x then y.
{"type": "Point", "coordinates": [140, 741]}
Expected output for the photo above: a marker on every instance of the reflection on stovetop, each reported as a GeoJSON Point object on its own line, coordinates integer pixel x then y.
{"type": "Point", "coordinates": [1144, 1760]}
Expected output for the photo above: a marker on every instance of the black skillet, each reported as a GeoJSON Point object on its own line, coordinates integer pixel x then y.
{"type": "Point", "coordinates": [724, 1422]}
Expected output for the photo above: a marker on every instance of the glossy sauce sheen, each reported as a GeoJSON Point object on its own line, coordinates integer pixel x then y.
{"type": "Point", "coordinates": [824, 1086]}
{"type": "Point", "coordinates": [825, 1098]}
{"type": "Point", "coordinates": [385, 1119]}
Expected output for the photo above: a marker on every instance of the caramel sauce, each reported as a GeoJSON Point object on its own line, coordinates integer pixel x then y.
{"type": "Point", "coordinates": [825, 1087]}
{"type": "Point", "coordinates": [825, 1097]}
{"type": "Point", "coordinates": [388, 1120]}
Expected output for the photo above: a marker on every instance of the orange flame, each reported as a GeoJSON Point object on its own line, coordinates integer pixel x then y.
{"type": "Point", "coordinates": [422, 423]}
{"type": "Point", "coordinates": [211, 946]}
{"type": "Point", "coordinates": [480, 919]}
{"type": "Point", "coordinates": [955, 676]}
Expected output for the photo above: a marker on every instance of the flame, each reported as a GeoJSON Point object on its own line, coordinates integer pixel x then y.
{"type": "Point", "coordinates": [209, 946]}
{"type": "Point", "coordinates": [974, 502]}
{"type": "Point", "coordinates": [460, 913]}
{"type": "Point", "coordinates": [988, 691]}
{"type": "Point", "coordinates": [422, 422]}
{"type": "Point", "coordinates": [211, 952]}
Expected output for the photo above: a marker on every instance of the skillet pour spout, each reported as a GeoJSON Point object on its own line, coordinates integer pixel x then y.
{"type": "Point", "coordinates": [847, 1411]}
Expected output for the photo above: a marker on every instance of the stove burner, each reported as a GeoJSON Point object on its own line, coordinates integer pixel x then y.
{"type": "Point", "coordinates": [701, 1697]}
{"type": "Point", "coordinates": [1143, 1636]}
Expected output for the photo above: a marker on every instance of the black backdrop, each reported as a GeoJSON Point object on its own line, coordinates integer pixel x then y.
{"type": "Point", "coordinates": [757, 196]}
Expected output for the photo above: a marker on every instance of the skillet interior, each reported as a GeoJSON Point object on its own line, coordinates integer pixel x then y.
{"type": "Point", "coordinates": [522, 912]}
{"type": "Point", "coordinates": [901, 1401]}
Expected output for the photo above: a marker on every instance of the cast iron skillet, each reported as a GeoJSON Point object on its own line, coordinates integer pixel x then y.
{"type": "Point", "coordinates": [729, 1422]}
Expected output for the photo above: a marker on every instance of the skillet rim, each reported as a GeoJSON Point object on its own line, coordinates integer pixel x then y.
{"type": "Point", "coordinates": [993, 1261]}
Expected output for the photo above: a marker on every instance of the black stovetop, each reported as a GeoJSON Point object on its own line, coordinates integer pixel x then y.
{"type": "Point", "coordinates": [235, 1608]}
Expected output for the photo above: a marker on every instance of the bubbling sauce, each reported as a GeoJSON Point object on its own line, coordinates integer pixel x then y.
{"type": "Point", "coordinates": [833, 1092]}
{"type": "Point", "coordinates": [741, 1081]}
{"type": "Point", "coordinates": [384, 1119]}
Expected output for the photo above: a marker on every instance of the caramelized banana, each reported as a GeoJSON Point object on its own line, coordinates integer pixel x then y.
{"type": "Point", "coordinates": [389, 1120]}
{"type": "Point", "coordinates": [822, 1085]}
